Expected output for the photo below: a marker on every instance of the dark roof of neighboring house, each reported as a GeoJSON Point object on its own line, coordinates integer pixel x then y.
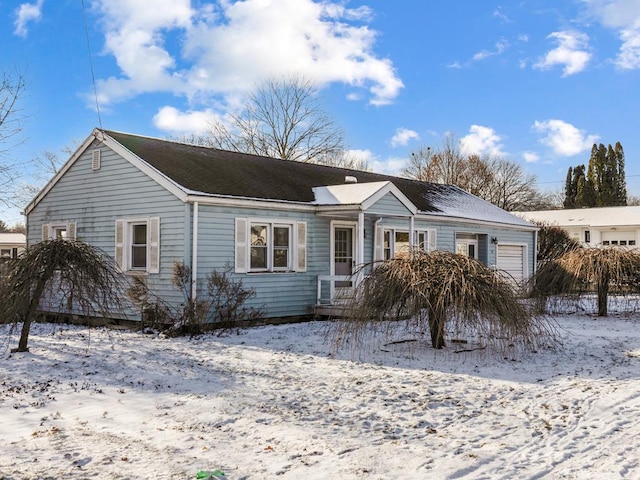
{"type": "Point", "coordinates": [221, 172]}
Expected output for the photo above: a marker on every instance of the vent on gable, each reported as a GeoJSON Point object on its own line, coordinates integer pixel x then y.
{"type": "Point", "coordinates": [95, 160]}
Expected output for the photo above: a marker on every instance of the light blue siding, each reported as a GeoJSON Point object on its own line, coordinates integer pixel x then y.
{"type": "Point", "coordinates": [95, 199]}
{"type": "Point", "coordinates": [388, 205]}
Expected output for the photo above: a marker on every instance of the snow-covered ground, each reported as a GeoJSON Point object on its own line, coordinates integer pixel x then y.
{"type": "Point", "coordinates": [275, 402]}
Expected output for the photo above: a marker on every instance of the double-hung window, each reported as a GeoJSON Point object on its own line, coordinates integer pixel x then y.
{"type": "Point", "coordinates": [138, 244]}
{"type": "Point", "coordinates": [396, 243]}
{"type": "Point", "coordinates": [270, 246]}
{"type": "Point", "coordinates": [393, 243]}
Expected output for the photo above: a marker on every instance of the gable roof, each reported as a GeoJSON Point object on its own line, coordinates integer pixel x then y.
{"type": "Point", "coordinates": [186, 169]}
{"type": "Point", "coordinates": [365, 194]}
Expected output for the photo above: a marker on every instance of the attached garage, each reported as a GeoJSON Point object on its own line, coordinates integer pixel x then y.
{"type": "Point", "coordinates": [512, 260]}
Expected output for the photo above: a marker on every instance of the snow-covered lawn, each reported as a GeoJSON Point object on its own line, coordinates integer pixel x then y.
{"type": "Point", "coordinates": [275, 402]}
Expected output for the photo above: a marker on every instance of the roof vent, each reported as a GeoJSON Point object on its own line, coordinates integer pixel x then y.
{"type": "Point", "coordinates": [350, 179]}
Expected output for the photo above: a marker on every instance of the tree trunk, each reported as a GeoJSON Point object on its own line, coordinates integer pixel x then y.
{"type": "Point", "coordinates": [603, 292]}
{"type": "Point", "coordinates": [436, 324]}
{"type": "Point", "coordinates": [32, 305]}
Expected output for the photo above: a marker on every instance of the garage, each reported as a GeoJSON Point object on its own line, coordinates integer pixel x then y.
{"type": "Point", "coordinates": [511, 259]}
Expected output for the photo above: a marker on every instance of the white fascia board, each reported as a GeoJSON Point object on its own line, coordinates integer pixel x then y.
{"type": "Point", "coordinates": [449, 219]}
{"type": "Point", "coordinates": [144, 167]}
{"type": "Point", "coordinates": [67, 165]}
{"type": "Point", "coordinates": [242, 202]}
{"type": "Point", "coordinates": [395, 191]}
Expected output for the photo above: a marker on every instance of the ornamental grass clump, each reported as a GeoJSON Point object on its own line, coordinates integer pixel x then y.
{"type": "Point", "coordinates": [442, 292]}
{"type": "Point", "coordinates": [604, 271]}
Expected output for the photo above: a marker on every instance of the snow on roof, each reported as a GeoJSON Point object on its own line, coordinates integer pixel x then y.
{"type": "Point", "coordinates": [587, 217]}
{"type": "Point", "coordinates": [12, 239]}
{"type": "Point", "coordinates": [347, 194]}
{"type": "Point", "coordinates": [465, 206]}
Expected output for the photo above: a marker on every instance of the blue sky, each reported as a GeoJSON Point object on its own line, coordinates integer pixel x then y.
{"type": "Point", "coordinates": [535, 81]}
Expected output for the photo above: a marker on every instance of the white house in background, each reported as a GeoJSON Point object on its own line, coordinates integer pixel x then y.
{"type": "Point", "coordinates": [12, 244]}
{"type": "Point", "coordinates": [595, 226]}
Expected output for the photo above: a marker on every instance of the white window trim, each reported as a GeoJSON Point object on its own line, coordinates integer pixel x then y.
{"type": "Point", "coordinates": [49, 230]}
{"type": "Point", "coordinates": [296, 255]}
{"type": "Point", "coordinates": [124, 240]}
{"type": "Point", "coordinates": [380, 232]}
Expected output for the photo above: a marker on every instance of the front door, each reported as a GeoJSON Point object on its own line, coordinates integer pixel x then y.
{"type": "Point", "coordinates": [343, 255]}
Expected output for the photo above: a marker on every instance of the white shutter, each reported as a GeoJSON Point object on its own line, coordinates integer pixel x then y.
{"type": "Point", "coordinates": [378, 240]}
{"type": "Point", "coordinates": [71, 230]}
{"type": "Point", "coordinates": [154, 245]}
{"type": "Point", "coordinates": [45, 231]}
{"type": "Point", "coordinates": [242, 245]}
{"type": "Point", "coordinates": [433, 241]}
{"type": "Point", "coordinates": [301, 247]}
{"type": "Point", "coordinates": [119, 253]}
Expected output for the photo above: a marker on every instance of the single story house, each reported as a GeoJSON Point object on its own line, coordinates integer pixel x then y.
{"type": "Point", "coordinates": [294, 232]}
{"type": "Point", "coordinates": [12, 244]}
{"type": "Point", "coordinates": [601, 226]}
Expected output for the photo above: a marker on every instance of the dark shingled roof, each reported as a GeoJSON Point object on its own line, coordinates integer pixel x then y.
{"type": "Point", "coordinates": [220, 172]}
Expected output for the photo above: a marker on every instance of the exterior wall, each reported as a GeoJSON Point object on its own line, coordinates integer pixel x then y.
{"type": "Point", "coordinates": [487, 252]}
{"type": "Point", "coordinates": [281, 294]}
{"type": "Point", "coordinates": [388, 205]}
{"type": "Point", "coordinates": [95, 199]}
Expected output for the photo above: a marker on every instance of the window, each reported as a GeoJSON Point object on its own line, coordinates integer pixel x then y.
{"type": "Point", "coordinates": [391, 243]}
{"type": "Point", "coordinates": [270, 246]}
{"type": "Point", "coordinates": [138, 245]}
{"type": "Point", "coordinates": [395, 244]}
{"type": "Point", "coordinates": [5, 253]}
{"type": "Point", "coordinates": [59, 231]}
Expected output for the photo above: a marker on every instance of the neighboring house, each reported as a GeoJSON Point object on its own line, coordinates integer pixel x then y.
{"type": "Point", "coordinates": [294, 232]}
{"type": "Point", "coordinates": [594, 226]}
{"type": "Point", "coordinates": [12, 245]}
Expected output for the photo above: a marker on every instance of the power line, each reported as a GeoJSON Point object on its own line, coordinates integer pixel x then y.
{"type": "Point", "coordinates": [93, 77]}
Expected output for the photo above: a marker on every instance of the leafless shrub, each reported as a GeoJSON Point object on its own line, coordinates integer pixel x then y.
{"type": "Point", "coordinates": [442, 292]}
{"type": "Point", "coordinates": [582, 271]}
{"type": "Point", "coordinates": [63, 276]}
{"type": "Point", "coordinates": [223, 306]}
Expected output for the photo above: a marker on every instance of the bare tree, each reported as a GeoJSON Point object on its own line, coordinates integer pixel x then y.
{"type": "Point", "coordinates": [282, 119]}
{"type": "Point", "coordinates": [497, 180]}
{"type": "Point", "coordinates": [12, 87]}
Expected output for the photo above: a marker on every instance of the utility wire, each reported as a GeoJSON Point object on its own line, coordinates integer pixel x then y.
{"type": "Point", "coordinates": [93, 77]}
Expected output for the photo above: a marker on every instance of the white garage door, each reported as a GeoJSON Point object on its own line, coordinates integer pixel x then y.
{"type": "Point", "coordinates": [511, 260]}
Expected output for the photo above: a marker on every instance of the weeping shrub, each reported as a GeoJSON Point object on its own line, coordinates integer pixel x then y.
{"type": "Point", "coordinates": [440, 290]}
{"type": "Point", "coordinates": [583, 271]}
{"type": "Point", "coordinates": [65, 276]}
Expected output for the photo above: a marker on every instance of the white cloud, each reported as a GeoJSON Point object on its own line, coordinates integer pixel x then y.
{"type": "Point", "coordinates": [572, 52]}
{"type": "Point", "coordinates": [563, 138]}
{"type": "Point", "coordinates": [403, 136]}
{"type": "Point", "coordinates": [500, 47]}
{"type": "Point", "coordinates": [481, 140]}
{"type": "Point", "coordinates": [389, 166]}
{"type": "Point", "coordinates": [530, 157]}
{"type": "Point", "coordinates": [25, 13]}
{"type": "Point", "coordinates": [223, 48]}
{"type": "Point", "coordinates": [172, 120]}
{"type": "Point", "coordinates": [622, 16]}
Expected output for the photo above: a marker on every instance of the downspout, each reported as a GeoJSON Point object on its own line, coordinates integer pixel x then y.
{"type": "Point", "coordinates": [194, 254]}
{"type": "Point", "coordinates": [411, 231]}
{"type": "Point", "coordinates": [360, 258]}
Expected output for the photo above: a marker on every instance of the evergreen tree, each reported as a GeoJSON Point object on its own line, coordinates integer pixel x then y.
{"type": "Point", "coordinates": [621, 184]}
{"type": "Point", "coordinates": [569, 191]}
